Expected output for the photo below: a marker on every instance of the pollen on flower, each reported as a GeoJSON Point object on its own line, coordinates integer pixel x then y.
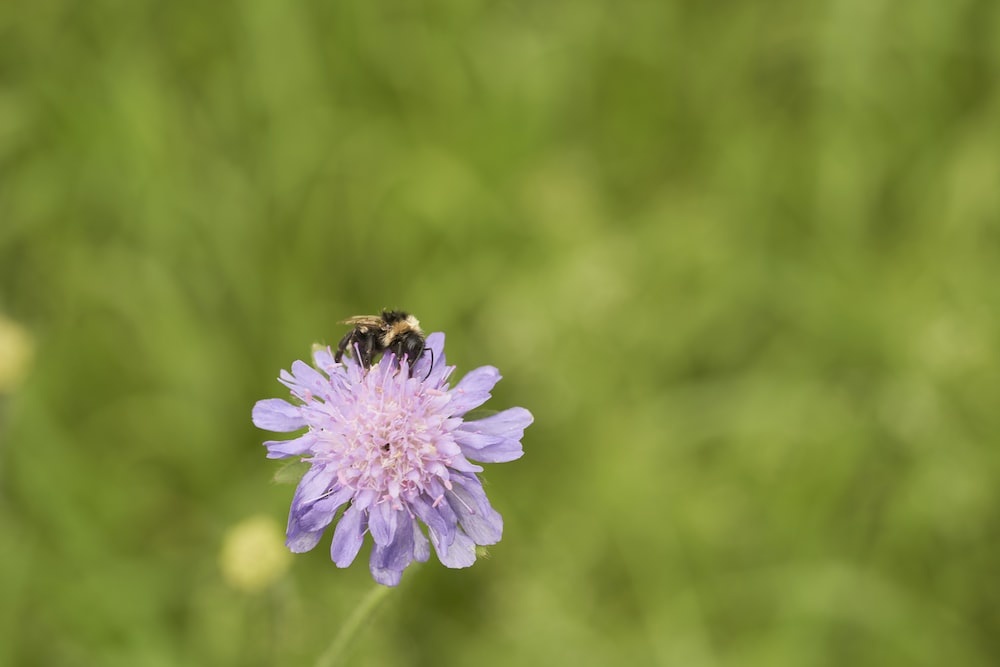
{"type": "Point", "coordinates": [391, 446]}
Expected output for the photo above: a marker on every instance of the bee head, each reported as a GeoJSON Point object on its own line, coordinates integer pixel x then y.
{"type": "Point", "coordinates": [410, 345]}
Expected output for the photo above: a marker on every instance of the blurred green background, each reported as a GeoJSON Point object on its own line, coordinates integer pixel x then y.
{"type": "Point", "coordinates": [739, 259]}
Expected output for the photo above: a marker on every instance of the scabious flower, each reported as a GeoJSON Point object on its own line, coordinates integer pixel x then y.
{"type": "Point", "coordinates": [392, 446]}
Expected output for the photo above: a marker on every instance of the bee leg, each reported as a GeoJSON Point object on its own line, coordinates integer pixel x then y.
{"type": "Point", "coordinates": [431, 367]}
{"type": "Point", "coordinates": [342, 345]}
{"type": "Point", "coordinates": [396, 350]}
{"type": "Point", "coordinates": [365, 349]}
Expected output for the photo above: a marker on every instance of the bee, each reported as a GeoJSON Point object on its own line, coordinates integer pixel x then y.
{"type": "Point", "coordinates": [393, 331]}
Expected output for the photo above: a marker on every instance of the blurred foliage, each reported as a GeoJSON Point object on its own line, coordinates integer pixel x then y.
{"type": "Point", "coordinates": [739, 259]}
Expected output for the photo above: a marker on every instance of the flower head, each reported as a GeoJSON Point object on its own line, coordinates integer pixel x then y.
{"type": "Point", "coordinates": [393, 448]}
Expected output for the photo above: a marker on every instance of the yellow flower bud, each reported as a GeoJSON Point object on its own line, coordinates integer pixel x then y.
{"type": "Point", "coordinates": [16, 351]}
{"type": "Point", "coordinates": [253, 554]}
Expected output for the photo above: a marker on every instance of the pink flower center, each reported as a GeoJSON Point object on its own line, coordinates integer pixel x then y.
{"type": "Point", "coordinates": [388, 438]}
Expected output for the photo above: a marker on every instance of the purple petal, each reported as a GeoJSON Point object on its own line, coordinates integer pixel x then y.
{"type": "Point", "coordinates": [382, 523]}
{"type": "Point", "coordinates": [433, 350]}
{"type": "Point", "coordinates": [500, 452]}
{"type": "Point", "coordinates": [363, 499]}
{"type": "Point", "coordinates": [495, 439]}
{"type": "Point", "coordinates": [384, 576]}
{"type": "Point", "coordinates": [473, 390]}
{"type": "Point", "coordinates": [508, 424]}
{"type": "Point", "coordinates": [477, 517]}
{"type": "Point", "coordinates": [319, 514]}
{"type": "Point", "coordinates": [275, 414]}
{"type": "Point", "coordinates": [305, 381]}
{"type": "Point", "coordinates": [313, 508]}
{"type": "Point", "coordinates": [388, 562]}
{"type": "Point", "coordinates": [440, 522]}
{"type": "Point", "coordinates": [461, 552]}
{"type": "Point", "coordinates": [314, 484]}
{"type": "Point", "coordinates": [301, 542]}
{"type": "Point", "coordinates": [323, 358]}
{"type": "Point", "coordinates": [347, 537]}
{"type": "Point", "coordinates": [421, 547]}
{"type": "Point", "coordinates": [458, 462]}
{"type": "Point", "coordinates": [280, 449]}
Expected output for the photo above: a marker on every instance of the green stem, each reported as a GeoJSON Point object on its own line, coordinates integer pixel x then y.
{"type": "Point", "coordinates": [334, 652]}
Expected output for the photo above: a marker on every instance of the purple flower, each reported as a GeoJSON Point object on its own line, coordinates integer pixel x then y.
{"type": "Point", "coordinates": [393, 447]}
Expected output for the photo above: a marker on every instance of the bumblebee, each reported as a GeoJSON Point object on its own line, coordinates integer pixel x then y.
{"type": "Point", "coordinates": [393, 331]}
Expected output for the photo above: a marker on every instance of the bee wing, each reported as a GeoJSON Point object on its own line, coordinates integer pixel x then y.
{"type": "Point", "coordinates": [372, 321]}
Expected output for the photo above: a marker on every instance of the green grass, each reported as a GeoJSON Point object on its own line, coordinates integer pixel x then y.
{"type": "Point", "coordinates": [738, 260]}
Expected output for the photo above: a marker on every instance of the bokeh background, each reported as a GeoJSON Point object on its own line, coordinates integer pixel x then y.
{"type": "Point", "coordinates": [739, 259]}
